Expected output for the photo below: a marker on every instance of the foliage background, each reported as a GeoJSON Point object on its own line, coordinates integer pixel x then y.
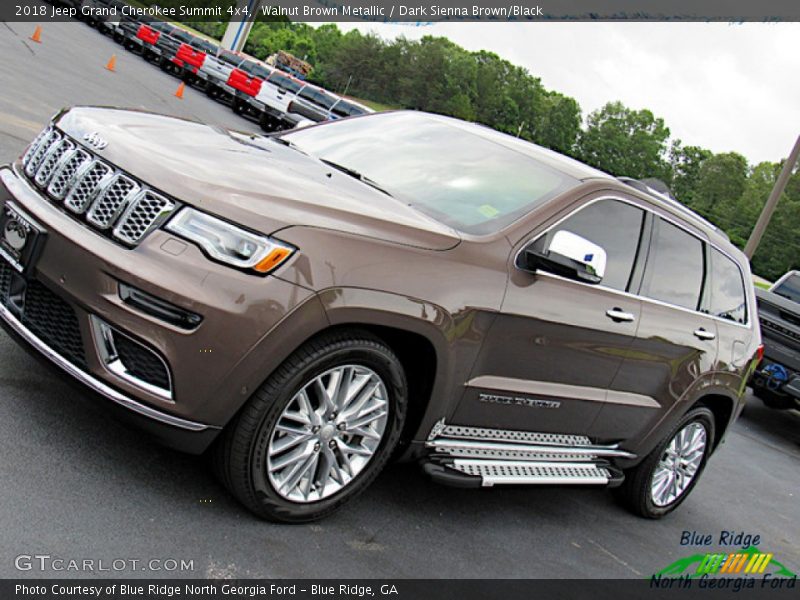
{"type": "Point", "coordinates": [436, 75]}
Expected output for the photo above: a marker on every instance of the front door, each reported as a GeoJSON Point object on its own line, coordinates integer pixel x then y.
{"type": "Point", "coordinates": [555, 347]}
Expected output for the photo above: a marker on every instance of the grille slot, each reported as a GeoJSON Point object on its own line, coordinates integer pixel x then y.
{"type": "Point", "coordinates": [62, 178]}
{"type": "Point", "coordinates": [146, 212]}
{"type": "Point", "coordinates": [88, 183]}
{"type": "Point", "coordinates": [110, 202]}
{"type": "Point", "coordinates": [93, 190]}
{"type": "Point", "coordinates": [38, 150]}
{"type": "Point", "coordinates": [50, 160]}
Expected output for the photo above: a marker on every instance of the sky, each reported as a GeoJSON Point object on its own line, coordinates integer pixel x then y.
{"type": "Point", "coordinates": [725, 87]}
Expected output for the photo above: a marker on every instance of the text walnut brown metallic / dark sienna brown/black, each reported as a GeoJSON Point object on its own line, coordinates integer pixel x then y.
{"type": "Point", "coordinates": [307, 305]}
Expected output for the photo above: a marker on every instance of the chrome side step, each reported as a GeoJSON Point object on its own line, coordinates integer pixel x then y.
{"type": "Point", "coordinates": [494, 472]}
{"type": "Point", "coordinates": [545, 452]}
{"type": "Point", "coordinates": [476, 456]}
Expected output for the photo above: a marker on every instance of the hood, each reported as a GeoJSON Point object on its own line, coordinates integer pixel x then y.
{"type": "Point", "coordinates": [249, 179]}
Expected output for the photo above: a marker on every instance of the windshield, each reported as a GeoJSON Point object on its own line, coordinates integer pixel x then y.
{"type": "Point", "coordinates": [454, 175]}
{"type": "Point", "coordinates": [789, 288]}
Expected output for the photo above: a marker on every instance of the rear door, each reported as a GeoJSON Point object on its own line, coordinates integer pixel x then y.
{"type": "Point", "coordinates": [555, 346]}
{"type": "Point", "coordinates": [676, 343]}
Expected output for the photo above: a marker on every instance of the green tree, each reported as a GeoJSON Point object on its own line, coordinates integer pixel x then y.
{"type": "Point", "coordinates": [685, 163]}
{"type": "Point", "coordinates": [627, 142]}
{"type": "Point", "coordinates": [720, 183]}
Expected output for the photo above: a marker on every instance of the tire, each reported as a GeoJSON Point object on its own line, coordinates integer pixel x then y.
{"type": "Point", "coordinates": [238, 107]}
{"type": "Point", "coordinates": [244, 458]}
{"type": "Point", "coordinates": [268, 123]}
{"type": "Point", "coordinates": [636, 492]}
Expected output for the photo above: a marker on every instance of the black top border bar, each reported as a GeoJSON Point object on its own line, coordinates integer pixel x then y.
{"type": "Point", "coordinates": [419, 12]}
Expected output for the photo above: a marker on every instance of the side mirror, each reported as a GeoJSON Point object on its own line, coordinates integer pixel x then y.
{"type": "Point", "coordinates": [568, 255]}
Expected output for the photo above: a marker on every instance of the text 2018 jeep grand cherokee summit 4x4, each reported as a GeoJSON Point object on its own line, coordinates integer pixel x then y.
{"type": "Point", "coordinates": [313, 302]}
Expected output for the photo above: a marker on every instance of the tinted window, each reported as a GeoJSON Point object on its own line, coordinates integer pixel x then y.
{"type": "Point", "coordinates": [789, 288]}
{"type": "Point", "coordinates": [345, 109]}
{"type": "Point", "coordinates": [284, 82]}
{"type": "Point", "coordinates": [727, 289]}
{"type": "Point", "coordinates": [674, 271]}
{"type": "Point", "coordinates": [229, 58]}
{"type": "Point", "coordinates": [450, 171]}
{"type": "Point", "coordinates": [614, 226]}
{"type": "Point", "coordinates": [181, 35]}
{"type": "Point", "coordinates": [318, 97]}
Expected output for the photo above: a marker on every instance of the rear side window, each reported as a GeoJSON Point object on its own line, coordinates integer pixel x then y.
{"type": "Point", "coordinates": [675, 267]}
{"type": "Point", "coordinates": [614, 226]}
{"type": "Point", "coordinates": [727, 297]}
{"type": "Point", "coordinates": [318, 97]}
{"type": "Point", "coordinates": [345, 109]}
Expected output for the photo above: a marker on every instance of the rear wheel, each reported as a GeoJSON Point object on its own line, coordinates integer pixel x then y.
{"type": "Point", "coordinates": [664, 479]}
{"type": "Point", "coordinates": [318, 431]}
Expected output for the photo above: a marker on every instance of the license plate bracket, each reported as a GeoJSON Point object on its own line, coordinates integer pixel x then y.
{"type": "Point", "coordinates": [21, 239]}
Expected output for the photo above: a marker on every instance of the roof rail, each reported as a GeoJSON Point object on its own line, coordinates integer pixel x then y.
{"type": "Point", "coordinates": [667, 197]}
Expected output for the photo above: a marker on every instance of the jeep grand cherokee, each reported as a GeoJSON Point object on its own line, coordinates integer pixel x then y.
{"type": "Point", "coordinates": [309, 304]}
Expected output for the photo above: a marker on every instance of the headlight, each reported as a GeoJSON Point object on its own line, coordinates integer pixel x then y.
{"type": "Point", "coordinates": [228, 243]}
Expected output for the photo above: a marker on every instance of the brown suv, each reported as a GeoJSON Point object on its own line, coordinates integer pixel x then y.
{"type": "Point", "coordinates": [308, 304]}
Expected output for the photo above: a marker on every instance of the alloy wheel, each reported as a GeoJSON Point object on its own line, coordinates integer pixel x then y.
{"type": "Point", "coordinates": [679, 464]}
{"type": "Point", "coordinates": [327, 434]}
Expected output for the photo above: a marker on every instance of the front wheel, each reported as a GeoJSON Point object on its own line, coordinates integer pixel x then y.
{"type": "Point", "coordinates": [664, 479]}
{"type": "Point", "coordinates": [318, 431]}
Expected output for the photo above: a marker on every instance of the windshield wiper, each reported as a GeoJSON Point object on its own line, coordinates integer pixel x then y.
{"type": "Point", "coordinates": [284, 142]}
{"type": "Point", "coordinates": [355, 175]}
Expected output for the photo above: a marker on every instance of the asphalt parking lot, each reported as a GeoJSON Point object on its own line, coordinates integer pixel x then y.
{"type": "Point", "coordinates": [75, 484]}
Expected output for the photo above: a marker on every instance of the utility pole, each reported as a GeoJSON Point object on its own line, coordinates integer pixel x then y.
{"type": "Point", "coordinates": [772, 201]}
{"type": "Point", "coordinates": [239, 29]}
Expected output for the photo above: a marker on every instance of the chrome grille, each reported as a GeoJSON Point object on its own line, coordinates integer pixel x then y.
{"type": "Point", "coordinates": [84, 191]}
{"type": "Point", "coordinates": [62, 178]}
{"type": "Point", "coordinates": [51, 159]}
{"type": "Point", "coordinates": [147, 208]}
{"type": "Point", "coordinates": [111, 201]}
{"type": "Point", "coordinates": [37, 151]}
{"type": "Point", "coordinates": [92, 189]}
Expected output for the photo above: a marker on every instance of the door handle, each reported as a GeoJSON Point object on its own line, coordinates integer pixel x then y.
{"type": "Point", "coordinates": [619, 316]}
{"type": "Point", "coordinates": [703, 334]}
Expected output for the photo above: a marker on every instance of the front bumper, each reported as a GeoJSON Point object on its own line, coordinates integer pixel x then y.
{"type": "Point", "coordinates": [214, 368]}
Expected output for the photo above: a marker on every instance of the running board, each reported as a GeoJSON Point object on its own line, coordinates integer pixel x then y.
{"type": "Point", "coordinates": [499, 444]}
{"type": "Point", "coordinates": [494, 472]}
{"type": "Point", "coordinates": [475, 457]}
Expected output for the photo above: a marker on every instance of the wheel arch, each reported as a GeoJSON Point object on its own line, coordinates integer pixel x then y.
{"type": "Point", "coordinates": [722, 407]}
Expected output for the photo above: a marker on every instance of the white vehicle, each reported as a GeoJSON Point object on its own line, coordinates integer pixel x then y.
{"type": "Point", "coordinates": [317, 105]}
{"type": "Point", "coordinates": [270, 105]}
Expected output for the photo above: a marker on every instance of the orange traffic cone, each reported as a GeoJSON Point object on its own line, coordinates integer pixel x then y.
{"type": "Point", "coordinates": [112, 64]}
{"type": "Point", "coordinates": [180, 90]}
{"type": "Point", "coordinates": [37, 35]}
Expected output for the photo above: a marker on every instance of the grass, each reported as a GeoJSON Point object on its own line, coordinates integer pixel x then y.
{"type": "Point", "coordinates": [762, 285]}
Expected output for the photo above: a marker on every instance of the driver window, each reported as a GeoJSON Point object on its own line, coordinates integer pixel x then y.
{"type": "Point", "coordinates": [614, 226]}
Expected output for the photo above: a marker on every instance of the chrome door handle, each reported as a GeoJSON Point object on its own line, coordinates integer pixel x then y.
{"type": "Point", "coordinates": [619, 316]}
{"type": "Point", "coordinates": [703, 334]}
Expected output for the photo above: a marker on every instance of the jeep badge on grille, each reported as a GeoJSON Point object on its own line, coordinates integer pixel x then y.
{"type": "Point", "coordinates": [95, 141]}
